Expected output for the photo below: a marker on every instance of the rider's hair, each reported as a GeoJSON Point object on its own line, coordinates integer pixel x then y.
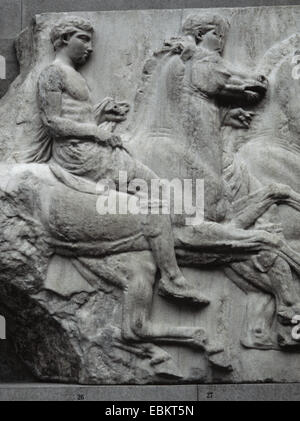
{"type": "Point", "coordinates": [204, 23]}
{"type": "Point", "coordinates": [68, 26]}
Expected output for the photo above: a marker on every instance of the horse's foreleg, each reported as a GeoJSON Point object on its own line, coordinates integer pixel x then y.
{"type": "Point", "coordinates": [271, 273]}
{"type": "Point", "coordinates": [249, 208]}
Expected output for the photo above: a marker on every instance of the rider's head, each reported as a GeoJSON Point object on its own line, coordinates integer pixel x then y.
{"type": "Point", "coordinates": [74, 36]}
{"type": "Point", "coordinates": [208, 29]}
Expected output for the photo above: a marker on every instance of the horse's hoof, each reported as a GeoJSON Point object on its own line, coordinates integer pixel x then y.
{"type": "Point", "coordinates": [168, 369]}
{"type": "Point", "coordinates": [199, 339]}
{"type": "Point", "coordinates": [221, 361]}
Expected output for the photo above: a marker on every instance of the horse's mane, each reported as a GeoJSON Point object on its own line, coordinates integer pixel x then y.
{"type": "Point", "coordinates": [276, 54]}
{"type": "Point", "coordinates": [270, 66]}
{"type": "Point", "coordinates": [174, 46]}
{"type": "Point", "coordinates": [152, 75]}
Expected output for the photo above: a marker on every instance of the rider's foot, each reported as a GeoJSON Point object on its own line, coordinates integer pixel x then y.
{"type": "Point", "coordinates": [177, 287]}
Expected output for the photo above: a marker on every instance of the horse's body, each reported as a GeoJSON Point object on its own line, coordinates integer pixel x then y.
{"type": "Point", "coordinates": [109, 248]}
{"type": "Point", "coordinates": [273, 151]}
{"type": "Point", "coordinates": [180, 123]}
{"type": "Point", "coordinates": [177, 126]}
{"type": "Point", "coordinates": [56, 205]}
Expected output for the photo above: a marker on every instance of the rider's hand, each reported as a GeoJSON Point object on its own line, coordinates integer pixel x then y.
{"type": "Point", "coordinates": [105, 137]}
{"type": "Point", "coordinates": [115, 141]}
{"type": "Point", "coordinates": [238, 118]}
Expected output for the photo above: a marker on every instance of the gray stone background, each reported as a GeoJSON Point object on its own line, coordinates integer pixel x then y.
{"type": "Point", "coordinates": [14, 17]}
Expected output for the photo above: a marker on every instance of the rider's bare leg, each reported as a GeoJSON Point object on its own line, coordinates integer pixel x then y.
{"type": "Point", "coordinates": [159, 232]}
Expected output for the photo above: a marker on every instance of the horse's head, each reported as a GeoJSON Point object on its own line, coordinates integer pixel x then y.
{"type": "Point", "coordinates": [279, 113]}
{"type": "Point", "coordinates": [109, 110]}
{"type": "Point", "coordinates": [286, 93]}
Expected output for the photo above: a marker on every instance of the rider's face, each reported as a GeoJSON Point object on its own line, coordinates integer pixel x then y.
{"type": "Point", "coordinates": [212, 40]}
{"type": "Point", "coordinates": [79, 47]}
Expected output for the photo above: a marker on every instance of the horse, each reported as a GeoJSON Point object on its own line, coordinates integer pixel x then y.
{"type": "Point", "coordinates": [176, 121]}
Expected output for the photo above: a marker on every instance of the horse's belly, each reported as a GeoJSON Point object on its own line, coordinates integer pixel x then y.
{"type": "Point", "coordinates": [169, 159]}
{"type": "Point", "coordinates": [74, 216]}
{"type": "Point", "coordinates": [163, 155]}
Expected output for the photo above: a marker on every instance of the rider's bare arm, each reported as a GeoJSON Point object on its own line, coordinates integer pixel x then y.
{"type": "Point", "coordinates": [246, 87]}
{"type": "Point", "coordinates": [250, 91]}
{"type": "Point", "coordinates": [50, 90]}
{"type": "Point", "coordinates": [209, 77]}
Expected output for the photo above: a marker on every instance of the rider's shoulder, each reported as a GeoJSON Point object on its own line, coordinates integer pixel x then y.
{"type": "Point", "coordinates": [52, 74]}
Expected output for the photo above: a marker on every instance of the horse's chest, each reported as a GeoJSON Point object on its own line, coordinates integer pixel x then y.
{"type": "Point", "coordinates": [290, 220]}
{"type": "Point", "coordinates": [274, 164]}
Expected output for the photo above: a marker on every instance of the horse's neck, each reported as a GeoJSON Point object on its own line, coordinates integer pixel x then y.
{"type": "Point", "coordinates": [273, 129]}
{"type": "Point", "coordinates": [272, 138]}
{"type": "Point", "coordinates": [277, 122]}
{"type": "Point", "coordinates": [157, 110]}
